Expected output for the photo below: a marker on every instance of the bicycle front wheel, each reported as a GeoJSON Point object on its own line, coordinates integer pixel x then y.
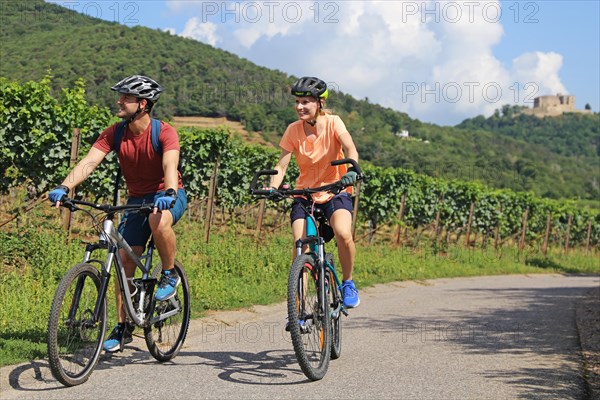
{"type": "Point", "coordinates": [308, 318]}
{"type": "Point", "coordinates": [169, 320]}
{"type": "Point", "coordinates": [74, 336]}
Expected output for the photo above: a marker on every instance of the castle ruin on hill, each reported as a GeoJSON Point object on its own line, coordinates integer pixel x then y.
{"type": "Point", "coordinates": [553, 105]}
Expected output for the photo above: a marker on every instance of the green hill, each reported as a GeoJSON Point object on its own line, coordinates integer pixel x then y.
{"type": "Point", "coordinates": [570, 134]}
{"type": "Point", "coordinates": [200, 80]}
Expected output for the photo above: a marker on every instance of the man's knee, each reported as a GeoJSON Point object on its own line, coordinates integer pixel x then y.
{"type": "Point", "coordinates": [160, 222]}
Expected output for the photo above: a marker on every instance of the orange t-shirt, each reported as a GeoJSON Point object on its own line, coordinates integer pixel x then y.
{"type": "Point", "coordinates": [314, 158]}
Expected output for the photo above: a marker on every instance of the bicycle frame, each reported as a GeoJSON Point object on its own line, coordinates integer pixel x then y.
{"type": "Point", "coordinates": [112, 240]}
{"type": "Point", "coordinates": [317, 247]}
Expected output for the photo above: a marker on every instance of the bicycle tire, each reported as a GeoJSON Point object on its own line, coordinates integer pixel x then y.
{"type": "Point", "coordinates": [165, 337]}
{"type": "Point", "coordinates": [335, 296]}
{"type": "Point", "coordinates": [312, 342]}
{"type": "Point", "coordinates": [74, 345]}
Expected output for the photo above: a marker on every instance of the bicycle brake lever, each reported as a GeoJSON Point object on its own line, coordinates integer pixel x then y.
{"type": "Point", "coordinates": [69, 205]}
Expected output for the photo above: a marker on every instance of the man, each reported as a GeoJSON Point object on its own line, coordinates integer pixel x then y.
{"type": "Point", "coordinates": [151, 176]}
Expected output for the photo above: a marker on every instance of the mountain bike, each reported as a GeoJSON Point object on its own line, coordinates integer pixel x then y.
{"type": "Point", "coordinates": [78, 316]}
{"type": "Point", "coordinates": [314, 295]}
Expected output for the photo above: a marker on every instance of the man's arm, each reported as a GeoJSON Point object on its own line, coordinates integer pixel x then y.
{"type": "Point", "coordinates": [84, 168]}
{"type": "Point", "coordinates": [170, 161]}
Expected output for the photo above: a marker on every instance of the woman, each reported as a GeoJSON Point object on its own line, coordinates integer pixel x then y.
{"type": "Point", "coordinates": [317, 139]}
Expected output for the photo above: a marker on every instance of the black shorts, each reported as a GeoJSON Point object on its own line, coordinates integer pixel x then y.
{"type": "Point", "coordinates": [341, 201]}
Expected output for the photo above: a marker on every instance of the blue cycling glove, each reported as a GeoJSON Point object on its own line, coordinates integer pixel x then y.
{"type": "Point", "coordinates": [167, 200]}
{"type": "Point", "coordinates": [349, 178]}
{"type": "Point", "coordinates": [57, 193]}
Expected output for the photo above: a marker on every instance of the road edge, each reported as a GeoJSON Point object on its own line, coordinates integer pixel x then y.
{"type": "Point", "coordinates": [587, 318]}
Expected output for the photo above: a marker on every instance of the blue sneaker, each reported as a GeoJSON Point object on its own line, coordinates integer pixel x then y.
{"type": "Point", "coordinates": [350, 294]}
{"type": "Point", "coordinates": [120, 336]}
{"type": "Point", "coordinates": [168, 284]}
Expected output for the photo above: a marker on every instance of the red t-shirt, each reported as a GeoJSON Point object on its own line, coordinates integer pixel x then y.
{"type": "Point", "coordinates": [140, 164]}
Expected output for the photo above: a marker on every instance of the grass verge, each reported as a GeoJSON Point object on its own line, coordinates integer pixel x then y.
{"type": "Point", "coordinates": [232, 271]}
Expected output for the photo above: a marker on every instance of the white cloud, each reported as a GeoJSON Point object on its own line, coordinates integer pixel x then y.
{"type": "Point", "coordinates": [540, 69]}
{"type": "Point", "coordinates": [204, 32]}
{"type": "Point", "coordinates": [433, 60]}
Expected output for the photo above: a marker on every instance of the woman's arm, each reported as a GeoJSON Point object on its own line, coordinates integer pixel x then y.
{"type": "Point", "coordinates": [281, 168]}
{"type": "Point", "coordinates": [348, 146]}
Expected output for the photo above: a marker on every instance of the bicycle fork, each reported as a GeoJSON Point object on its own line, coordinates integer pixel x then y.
{"type": "Point", "coordinates": [316, 245]}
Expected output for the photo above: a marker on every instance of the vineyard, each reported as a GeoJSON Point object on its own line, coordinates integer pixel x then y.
{"type": "Point", "coordinates": [396, 205]}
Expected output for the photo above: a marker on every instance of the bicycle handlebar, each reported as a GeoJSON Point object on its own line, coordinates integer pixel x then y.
{"type": "Point", "coordinates": [72, 204]}
{"type": "Point", "coordinates": [307, 191]}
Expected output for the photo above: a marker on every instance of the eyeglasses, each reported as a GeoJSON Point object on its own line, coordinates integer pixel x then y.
{"type": "Point", "coordinates": [127, 98]}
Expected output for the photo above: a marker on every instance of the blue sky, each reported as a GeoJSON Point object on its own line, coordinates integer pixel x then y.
{"type": "Point", "coordinates": [440, 62]}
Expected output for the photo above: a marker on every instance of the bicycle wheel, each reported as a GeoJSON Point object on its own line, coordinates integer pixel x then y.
{"type": "Point", "coordinates": [334, 294]}
{"type": "Point", "coordinates": [309, 320]}
{"type": "Point", "coordinates": [74, 338]}
{"type": "Point", "coordinates": [169, 320]}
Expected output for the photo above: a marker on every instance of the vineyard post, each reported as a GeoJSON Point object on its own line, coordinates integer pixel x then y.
{"type": "Point", "coordinates": [437, 216]}
{"type": "Point", "coordinates": [75, 142]}
{"type": "Point", "coordinates": [523, 229]}
{"type": "Point", "coordinates": [469, 222]}
{"type": "Point", "coordinates": [400, 216]}
{"type": "Point", "coordinates": [589, 235]}
{"type": "Point", "coordinates": [261, 214]}
{"type": "Point", "coordinates": [211, 199]}
{"type": "Point", "coordinates": [355, 210]}
{"type": "Point", "coordinates": [547, 234]}
{"type": "Point", "coordinates": [497, 229]}
{"type": "Point", "coordinates": [569, 223]}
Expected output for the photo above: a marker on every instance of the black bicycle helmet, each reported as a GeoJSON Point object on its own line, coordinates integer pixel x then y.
{"type": "Point", "coordinates": [310, 86]}
{"type": "Point", "coordinates": [139, 86]}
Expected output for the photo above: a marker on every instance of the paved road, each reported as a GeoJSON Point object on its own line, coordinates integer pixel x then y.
{"type": "Point", "coordinates": [472, 338]}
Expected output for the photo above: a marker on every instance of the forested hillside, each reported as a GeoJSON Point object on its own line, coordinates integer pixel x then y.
{"type": "Point", "coordinates": [200, 80]}
{"type": "Point", "coordinates": [571, 134]}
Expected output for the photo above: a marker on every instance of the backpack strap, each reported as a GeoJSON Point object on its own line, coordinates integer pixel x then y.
{"type": "Point", "coordinates": [119, 132]}
{"type": "Point", "coordinates": [156, 136]}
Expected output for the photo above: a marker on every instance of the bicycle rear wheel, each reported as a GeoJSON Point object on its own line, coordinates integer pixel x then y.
{"type": "Point", "coordinates": [74, 338]}
{"type": "Point", "coordinates": [169, 320]}
{"type": "Point", "coordinates": [309, 319]}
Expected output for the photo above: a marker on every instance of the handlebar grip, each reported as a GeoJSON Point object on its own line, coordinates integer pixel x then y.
{"type": "Point", "coordinates": [258, 174]}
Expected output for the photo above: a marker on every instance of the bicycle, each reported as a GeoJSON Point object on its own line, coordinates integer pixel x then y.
{"type": "Point", "coordinates": [78, 316]}
{"type": "Point", "coordinates": [314, 295]}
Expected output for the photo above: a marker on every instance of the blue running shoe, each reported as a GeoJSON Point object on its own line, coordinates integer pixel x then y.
{"type": "Point", "coordinates": [119, 337]}
{"type": "Point", "coordinates": [168, 284]}
{"type": "Point", "coordinates": [350, 294]}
